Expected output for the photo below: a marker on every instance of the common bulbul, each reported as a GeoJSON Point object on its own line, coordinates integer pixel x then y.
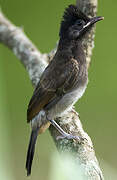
{"type": "Point", "coordinates": [64, 80]}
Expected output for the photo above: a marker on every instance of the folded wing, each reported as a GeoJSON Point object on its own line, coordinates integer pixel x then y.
{"type": "Point", "coordinates": [56, 75]}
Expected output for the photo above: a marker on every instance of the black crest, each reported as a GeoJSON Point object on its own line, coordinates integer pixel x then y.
{"type": "Point", "coordinates": [71, 14]}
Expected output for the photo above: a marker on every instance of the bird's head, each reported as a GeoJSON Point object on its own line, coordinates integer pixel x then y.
{"type": "Point", "coordinates": [75, 23]}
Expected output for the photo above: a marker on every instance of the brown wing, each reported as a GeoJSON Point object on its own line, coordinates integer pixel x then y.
{"type": "Point", "coordinates": [55, 75]}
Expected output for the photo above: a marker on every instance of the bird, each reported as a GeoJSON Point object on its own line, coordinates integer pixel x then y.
{"type": "Point", "coordinates": [63, 81]}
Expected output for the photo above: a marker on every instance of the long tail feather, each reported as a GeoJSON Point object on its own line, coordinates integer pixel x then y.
{"type": "Point", "coordinates": [31, 150]}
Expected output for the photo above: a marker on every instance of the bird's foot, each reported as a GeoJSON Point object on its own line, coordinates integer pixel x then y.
{"type": "Point", "coordinates": [64, 134]}
{"type": "Point", "coordinates": [69, 137]}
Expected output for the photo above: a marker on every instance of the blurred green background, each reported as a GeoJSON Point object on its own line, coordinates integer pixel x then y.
{"type": "Point", "coordinates": [97, 108]}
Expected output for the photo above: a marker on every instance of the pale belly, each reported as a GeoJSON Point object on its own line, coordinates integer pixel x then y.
{"type": "Point", "coordinates": [64, 105]}
{"type": "Point", "coordinates": [67, 101]}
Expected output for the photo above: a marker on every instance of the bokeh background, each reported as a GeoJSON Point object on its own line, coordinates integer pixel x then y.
{"type": "Point", "coordinates": [97, 108]}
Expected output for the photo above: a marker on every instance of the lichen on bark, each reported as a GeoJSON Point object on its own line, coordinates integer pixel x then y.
{"type": "Point", "coordinates": [35, 63]}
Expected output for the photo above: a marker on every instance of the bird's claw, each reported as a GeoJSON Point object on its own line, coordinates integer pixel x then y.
{"type": "Point", "coordinates": [69, 137]}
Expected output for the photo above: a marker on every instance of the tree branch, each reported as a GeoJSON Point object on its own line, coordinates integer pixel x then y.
{"type": "Point", "coordinates": [35, 63]}
{"type": "Point", "coordinates": [15, 39]}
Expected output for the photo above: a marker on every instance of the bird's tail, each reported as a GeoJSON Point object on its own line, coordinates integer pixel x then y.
{"type": "Point", "coordinates": [31, 150]}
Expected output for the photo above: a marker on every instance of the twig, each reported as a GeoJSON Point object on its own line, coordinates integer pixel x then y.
{"type": "Point", "coordinates": [35, 63]}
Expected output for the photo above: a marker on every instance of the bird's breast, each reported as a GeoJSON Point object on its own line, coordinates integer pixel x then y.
{"type": "Point", "coordinates": [66, 103]}
{"type": "Point", "coordinates": [74, 95]}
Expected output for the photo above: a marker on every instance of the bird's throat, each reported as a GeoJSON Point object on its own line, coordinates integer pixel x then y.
{"type": "Point", "coordinates": [72, 48]}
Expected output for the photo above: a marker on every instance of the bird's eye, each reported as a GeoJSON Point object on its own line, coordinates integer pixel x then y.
{"type": "Point", "coordinates": [79, 22]}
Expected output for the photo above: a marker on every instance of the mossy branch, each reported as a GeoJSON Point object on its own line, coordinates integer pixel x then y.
{"type": "Point", "coordinates": [35, 63]}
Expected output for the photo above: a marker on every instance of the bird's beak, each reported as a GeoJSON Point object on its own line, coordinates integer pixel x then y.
{"type": "Point", "coordinates": [96, 19]}
{"type": "Point", "coordinates": [88, 25]}
{"type": "Point", "coordinates": [93, 21]}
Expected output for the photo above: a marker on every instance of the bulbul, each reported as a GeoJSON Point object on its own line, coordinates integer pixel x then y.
{"type": "Point", "coordinates": [64, 80]}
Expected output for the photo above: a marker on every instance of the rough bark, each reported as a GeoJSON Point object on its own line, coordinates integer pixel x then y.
{"type": "Point", "coordinates": [35, 63]}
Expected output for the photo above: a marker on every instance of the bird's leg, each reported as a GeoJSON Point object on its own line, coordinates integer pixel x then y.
{"type": "Point", "coordinates": [63, 133]}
